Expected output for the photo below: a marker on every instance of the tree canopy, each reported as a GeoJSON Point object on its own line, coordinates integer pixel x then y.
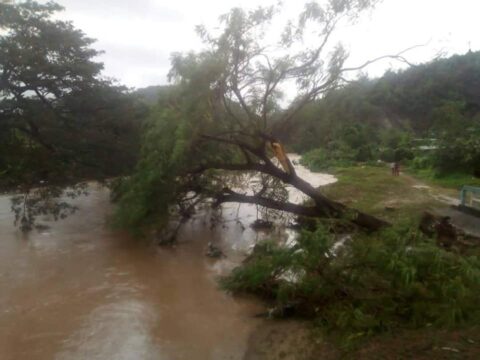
{"type": "Point", "coordinates": [228, 113]}
{"type": "Point", "coordinates": [436, 100]}
{"type": "Point", "coordinates": [60, 121]}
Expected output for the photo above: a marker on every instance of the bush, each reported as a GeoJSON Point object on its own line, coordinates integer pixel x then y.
{"type": "Point", "coordinates": [421, 162]}
{"type": "Point", "coordinates": [396, 154]}
{"type": "Point", "coordinates": [387, 155]}
{"type": "Point", "coordinates": [324, 159]}
{"type": "Point", "coordinates": [316, 160]}
{"type": "Point", "coordinates": [402, 154]}
{"type": "Point", "coordinates": [396, 278]}
{"type": "Point", "coordinates": [365, 153]}
{"type": "Point", "coordinates": [458, 155]}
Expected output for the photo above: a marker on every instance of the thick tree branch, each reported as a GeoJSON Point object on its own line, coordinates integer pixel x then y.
{"type": "Point", "coordinates": [323, 207]}
{"type": "Point", "coordinates": [231, 196]}
{"type": "Point", "coordinates": [356, 217]}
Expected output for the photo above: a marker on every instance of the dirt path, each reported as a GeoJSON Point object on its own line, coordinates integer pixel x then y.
{"type": "Point", "coordinates": [446, 196]}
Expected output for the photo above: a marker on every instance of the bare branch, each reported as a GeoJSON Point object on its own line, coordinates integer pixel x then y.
{"type": "Point", "coordinates": [399, 56]}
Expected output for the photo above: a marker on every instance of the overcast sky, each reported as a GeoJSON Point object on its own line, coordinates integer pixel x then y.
{"type": "Point", "coordinates": [138, 36]}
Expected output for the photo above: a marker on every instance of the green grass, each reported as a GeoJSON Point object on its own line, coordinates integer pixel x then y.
{"type": "Point", "coordinates": [452, 181]}
{"type": "Point", "coordinates": [398, 200]}
{"type": "Point", "coordinates": [374, 190]}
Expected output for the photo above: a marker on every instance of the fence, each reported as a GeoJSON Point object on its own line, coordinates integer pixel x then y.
{"type": "Point", "coordinates": [470, 197]}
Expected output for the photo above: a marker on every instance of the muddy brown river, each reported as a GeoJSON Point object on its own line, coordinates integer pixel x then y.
{"type": "Point", "coordinates": [79, 290]}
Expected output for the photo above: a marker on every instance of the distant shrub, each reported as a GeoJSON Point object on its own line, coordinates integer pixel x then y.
{"type": "Point", "coordinates": [365, 153]}
{"type": "Point", "coordinates": [403, 153]}
{"type": "Point", "coordinates": [316, 160]}
{"type": "Point", "coordinates": [421, 162]}
{"type": "Point", "coordinates": [324, 159]}
{"type": "Point", "coordinates": [396, 154]}
{"type": "Point", "coordinates": [387, 155]}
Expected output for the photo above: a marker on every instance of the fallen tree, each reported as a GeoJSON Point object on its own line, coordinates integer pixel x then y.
{"type": "Point", "coordinates": [224, 121]}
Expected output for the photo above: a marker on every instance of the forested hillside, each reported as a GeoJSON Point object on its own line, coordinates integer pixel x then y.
{"type": "Point", "coordinates": [150, 95]}
{"type": "Point", "coordinates": [438, 102]}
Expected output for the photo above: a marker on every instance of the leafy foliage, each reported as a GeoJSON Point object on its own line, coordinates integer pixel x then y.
{"type": "Point", "coordinates": [45, 201]}
{"type": "Point", "coordinates": [433, 101]}
{"type": "Point", "coordinates": [393, 279]}
{"type": "Point", "coordinates": [60, 122]}
{"type": "Point", "coordinates": [147, 195]}
{"type": "Point", "coordinates": [323, 159]}
{"type": "Point", "coordinates": [222, 122]}
{"type": "Point", "coordinates": [171, 145]}
{"type": "Point", "coordinates": [458, 145]}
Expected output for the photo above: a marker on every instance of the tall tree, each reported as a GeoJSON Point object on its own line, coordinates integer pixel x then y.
{"type": "Point", "coordinates": [60, 122]}
{"type": "Point", "coordinates": [231, 112]}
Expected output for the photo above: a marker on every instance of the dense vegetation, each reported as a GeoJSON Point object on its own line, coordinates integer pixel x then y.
{"type": "Point", "coordinates": [61, 123]}
{"type": "Point", "coordinates": [222, 121]}
{"type": "Point", "coordinates": [209, 141]}
{"type": "Point", "coordinates": [217, 135]}
{"type": "Point", "coordinates": [151, 95]}
{"type": "Point", "coordinates": [427, 116]}
{"type": "Point", "coordinates": [393, 279]}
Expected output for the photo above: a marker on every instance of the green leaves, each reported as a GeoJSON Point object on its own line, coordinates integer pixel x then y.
{"type": "Point", "coordinates": [60, 122]}
{"type": "Point", "coordinates": [393, 279]}
{"type": "Point", "coordinates": [384, 118]}
{"type": "Point", "coordinates": [458, 144]}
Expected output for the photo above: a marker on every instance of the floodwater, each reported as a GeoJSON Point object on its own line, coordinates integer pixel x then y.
{"type": "Point", "coordinates": [79, 290]}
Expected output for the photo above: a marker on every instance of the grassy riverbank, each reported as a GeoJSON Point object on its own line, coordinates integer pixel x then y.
{"type": "Point", "coordinates": [452, 181]}
{"type": "Point", "coordinates": [389, 295]}
{"type": "Point", "coordinates": [397, 199]}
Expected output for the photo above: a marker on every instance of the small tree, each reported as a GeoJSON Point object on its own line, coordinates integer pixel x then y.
{"type": "Point", "coordinates": [458, 139]}
{"type": "Point", "coordinates": [60, 122]}
{"type": "Point", "coordinates": [230, 113]}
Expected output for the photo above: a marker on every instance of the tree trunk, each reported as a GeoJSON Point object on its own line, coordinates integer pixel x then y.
{"type": "Point", "coordinates": [326, 209]}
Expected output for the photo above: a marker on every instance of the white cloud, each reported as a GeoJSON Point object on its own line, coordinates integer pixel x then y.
{"type": "Point", "coordinates": [139, 36]}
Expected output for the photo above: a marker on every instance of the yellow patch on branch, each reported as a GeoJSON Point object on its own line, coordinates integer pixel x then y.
{"type": "Point", "coordinates": [281, 156]}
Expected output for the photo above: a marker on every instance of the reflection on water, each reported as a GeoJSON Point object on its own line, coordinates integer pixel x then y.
{"type": "Point", "coordinates": [77, 290]}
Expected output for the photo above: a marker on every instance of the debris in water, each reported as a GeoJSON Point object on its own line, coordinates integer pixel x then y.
{"type": "Point", "coordinates": [261, 224]}
{"type": "Point", "coordinates": [214, 251]}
